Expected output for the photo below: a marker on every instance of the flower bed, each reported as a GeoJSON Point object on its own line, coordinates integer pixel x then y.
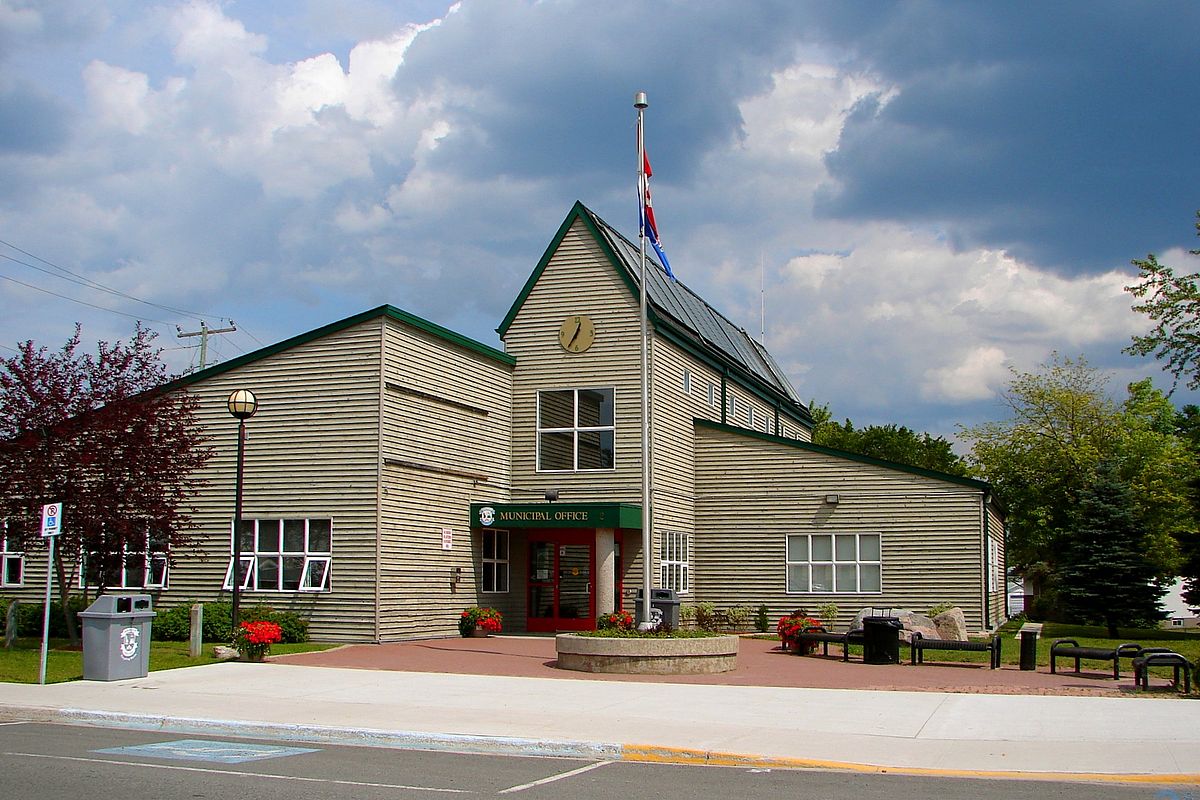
{"type": "Point", "coordinates": [480, 618]}
{"type": "Point", "coordinates": [693, 655]}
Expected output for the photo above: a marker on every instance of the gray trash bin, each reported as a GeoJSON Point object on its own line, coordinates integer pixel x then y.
{"type": "Point", "coordinates": [881, 640]}
{"type": "Point", "coordinates": [664, 606]}
{"type": "Point", "coordinates": [116, 637]}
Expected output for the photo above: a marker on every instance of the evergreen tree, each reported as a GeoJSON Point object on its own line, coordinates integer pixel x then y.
{"type": "Point", "coordinates": [1105, 575]}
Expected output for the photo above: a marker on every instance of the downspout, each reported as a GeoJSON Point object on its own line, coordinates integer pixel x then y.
{"type": "Point", "coordinates": [724, 395]}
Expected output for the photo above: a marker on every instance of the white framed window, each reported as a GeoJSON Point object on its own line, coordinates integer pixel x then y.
{"type": "Point", "coordinates": [495, 562]}
{"type": "Point", "coordinates": [714, 399]}
{"type": "Point", "coordinates": [133, 568]}
{"type": "Point", "coordinates": [687, 381]}
{"type": "Point", "coordinates": [284, 555]}
{"type": "Point", "coordinates": [994, 565]}
{"type": "Point", "coordinates": [750, 417]}
{"type": "Point", "coordinates": [732, 413]}
{"type": "Point", "coordinates": [12, 560]}
{"type": "Point", "coordinates": [1176, 623]}
{"type": "Point", "coordinates": [843, 563]}
{"type": "Point", "coordinates": [576, 430]}
{"type": "Point", "coordinates": [674, 562]}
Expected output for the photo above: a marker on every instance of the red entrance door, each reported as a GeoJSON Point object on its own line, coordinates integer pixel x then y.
{"type": "Point", "coordinates": [561, 564]}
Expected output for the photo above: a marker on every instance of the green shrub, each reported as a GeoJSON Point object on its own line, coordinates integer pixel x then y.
{"type": "Point", "coordinates": [762, 619]}
{"type": "Point", "coordinates": [687, 613]}
{"type": "Point", "coordinates": [828, 613]}
{"type": "Point", "coordinates": [939, 608]}
{"type": "Point", "coordinates": [706, 616]}
{"type": "Point", "coordinates": [293, 627]}
{"type": "Point", "coordinates": [30, 616]}
{"type": "Point", "coordinates": [737, 617]}
{"type": "Point", "coordinates": [175, 624]}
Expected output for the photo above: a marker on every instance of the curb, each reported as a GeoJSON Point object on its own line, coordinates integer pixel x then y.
{"type": "Point", "coordinates": [549, 748]}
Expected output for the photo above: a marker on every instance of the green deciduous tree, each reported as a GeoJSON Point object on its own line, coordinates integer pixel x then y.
{"type": "Point", "coordinates": [886, 442]}
{"type": "Point", "coordinates": [1105, 575]}
{"type": "Point", "coordinates": [1041, 459]}
{"type": "Point", "coordinates": [98, 433]}
{"type": "Point", "coordinates": [1172, 302]}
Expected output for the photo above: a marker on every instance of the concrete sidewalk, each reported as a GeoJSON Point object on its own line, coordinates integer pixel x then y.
{"type": "Point", "coordinates": [1055, 737]}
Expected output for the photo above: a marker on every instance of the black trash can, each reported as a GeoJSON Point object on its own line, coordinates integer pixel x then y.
{"type": "Point", "coordinates": [1029, 650]}
{"type": "Point", "coordinates": [664, 607]}
{"type": "Point", "coordinates": [881, 640]}
{"type": "Point", "coordinates": [116, 637]}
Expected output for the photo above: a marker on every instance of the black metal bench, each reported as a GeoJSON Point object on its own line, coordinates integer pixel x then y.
{"type": "Point", "coordinates": [819, 634]}
{"type": "Point", "coordinates": [1161, 657]}
{"type": "Point", "coordinates": [1069, 648]}
{"type": "Point", "coordinates": [919, 644]}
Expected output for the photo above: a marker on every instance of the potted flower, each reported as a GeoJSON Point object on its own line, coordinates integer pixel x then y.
{"type": "Point", "coordinates": [791, 626]}
{"type": "Point", "coordinates": [479, 621]}
{"type": "Point", "coordinates": [253, 640]}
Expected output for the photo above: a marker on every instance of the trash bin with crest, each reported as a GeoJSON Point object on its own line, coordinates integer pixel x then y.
{"type": "Point", "coordinates": [664, 607]}
{"type": "Point", "coordinates": [116, 637]}
{"type": "Point", "coordinates": [881, 640]}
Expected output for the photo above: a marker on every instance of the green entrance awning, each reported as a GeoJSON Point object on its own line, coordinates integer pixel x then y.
{"type": "Point", "coordinates": [556, 515]}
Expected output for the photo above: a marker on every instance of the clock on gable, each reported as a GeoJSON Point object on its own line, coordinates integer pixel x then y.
{"type": "Point", "coordinates": [577, 333]}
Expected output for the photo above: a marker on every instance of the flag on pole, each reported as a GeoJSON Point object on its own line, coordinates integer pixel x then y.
{"type": "Point", "coordinates": [649, 227]}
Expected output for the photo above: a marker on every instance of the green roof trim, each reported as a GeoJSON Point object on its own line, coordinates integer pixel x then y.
{"type": "Point", "coordinates": [973, 483]}
{"type": "Point", "coordinates": [577, 212]}
{"type": "Point", "coordinates": [389, 311]}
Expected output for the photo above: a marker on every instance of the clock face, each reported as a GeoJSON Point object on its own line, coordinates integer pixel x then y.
{"type": "Point", "coordinates": [576, 334]}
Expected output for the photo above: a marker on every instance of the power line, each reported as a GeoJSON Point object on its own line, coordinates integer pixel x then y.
{"type": "Point", "coordinates": [88, 282]}
{"type": "Point", "coordinates": [82, 302]}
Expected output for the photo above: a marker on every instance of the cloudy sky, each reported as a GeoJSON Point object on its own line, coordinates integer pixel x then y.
{"type": "Point", "coordinates": [934, 192]}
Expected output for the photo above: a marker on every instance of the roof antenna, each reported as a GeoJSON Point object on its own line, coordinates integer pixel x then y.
{"type": "Point", "coordinates": [762, 303]}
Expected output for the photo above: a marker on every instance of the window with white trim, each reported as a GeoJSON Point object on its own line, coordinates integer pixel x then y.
{"type": "Point", "coordinates": [12, 560]}
{"type": "Point", "coordinates": [674, 562]}
{"type": "Point", "coordinates": [994, 566]}
{"type": "Point", "coordinates": [750, 417]}
{"type": "Point", "coordinates": [284, 555]}
{"type": "Point", "coordinates": [495, 562]}
{"type": "Point", "coordinates": [687, 381]}
{"type": "Point", "coordinates": [731, 415]}
{"type": "Point", "coordinates": [133, 568]}
{"type": "Point", "coordinates": [576, 430]}
{"type": "Point", "coordinates": [840, 562]}
{"type": "Point", "coordinates": [713, 400]}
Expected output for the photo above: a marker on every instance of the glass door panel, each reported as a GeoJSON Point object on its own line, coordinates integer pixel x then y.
{"type": "Point", "coordinates": [574, 581]}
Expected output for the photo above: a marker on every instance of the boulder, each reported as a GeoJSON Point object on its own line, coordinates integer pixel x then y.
{"type": "Point", "coordinates": [910, 620]}
{"type": "Point", "coordinates": [223, 652]}
{"type": "Point", "coordinates": [952, 624]}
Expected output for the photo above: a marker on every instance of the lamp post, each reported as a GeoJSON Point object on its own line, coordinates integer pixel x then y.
{"type": "Point", "coordinates": [242, 404]}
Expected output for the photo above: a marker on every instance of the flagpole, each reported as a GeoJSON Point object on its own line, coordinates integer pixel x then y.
{"type": "Point", "coordinates": [640, 103]}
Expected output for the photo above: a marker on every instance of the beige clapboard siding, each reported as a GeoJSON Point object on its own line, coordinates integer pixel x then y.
{"type": "Point", "coordinates": [446, 438]}
{"type": "Point", "coordinates": [312, 451]}
{"type": "Point", "coordinates": [999, 598]}
{"type": "Point", "coordinates": [577, 280]}
{"type": "Point", "coordinates": [751, 493]}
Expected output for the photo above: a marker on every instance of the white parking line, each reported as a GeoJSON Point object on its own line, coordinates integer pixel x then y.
{"type": "Point", "coordinates": [239, 774]}
{"type": "Point", "coordinates": [554, 778]}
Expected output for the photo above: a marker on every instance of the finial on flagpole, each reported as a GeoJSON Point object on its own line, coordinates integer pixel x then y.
{"type": "Point", "coordinates": [639, 100]}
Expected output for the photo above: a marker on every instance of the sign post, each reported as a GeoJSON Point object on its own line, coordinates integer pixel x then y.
{"type": "Point", "coordinates": [51, 525]}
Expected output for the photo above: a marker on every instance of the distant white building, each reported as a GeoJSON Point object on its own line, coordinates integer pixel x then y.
{"type": "Point", "coordinates": [1179, 613]}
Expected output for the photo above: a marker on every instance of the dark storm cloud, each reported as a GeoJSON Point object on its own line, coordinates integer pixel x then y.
{"type": "Point", "coordinates": [552, 84]}
{"type": "Point", "coordinates": [1063, 133]}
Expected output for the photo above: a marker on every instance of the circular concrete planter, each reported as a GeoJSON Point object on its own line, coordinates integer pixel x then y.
{"type": "Point", "coordinates": [647, 656]}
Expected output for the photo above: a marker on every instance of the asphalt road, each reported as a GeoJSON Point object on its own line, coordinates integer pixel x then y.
{"type": "Point", "coordinates": [57, 762]}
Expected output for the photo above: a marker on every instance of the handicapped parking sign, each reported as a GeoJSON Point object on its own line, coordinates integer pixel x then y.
{"type": "Point", "coordinates": [51, 519]}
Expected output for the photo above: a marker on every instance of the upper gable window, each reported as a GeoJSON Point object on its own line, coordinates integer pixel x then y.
{"type": "Point", "coordinates": [575, 430]}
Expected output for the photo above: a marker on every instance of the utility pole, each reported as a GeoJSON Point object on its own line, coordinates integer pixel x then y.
{"type": "Point", "coordinates": [204, 333]}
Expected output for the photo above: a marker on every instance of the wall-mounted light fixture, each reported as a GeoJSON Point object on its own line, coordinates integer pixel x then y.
{"type": "Point", "coordinates": [832, 499]}
{"type": "Point", "coordinates": [551, 495]}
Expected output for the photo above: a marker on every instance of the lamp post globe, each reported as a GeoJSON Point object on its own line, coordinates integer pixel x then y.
{"type": "Point", "coordinates": [242, 404]}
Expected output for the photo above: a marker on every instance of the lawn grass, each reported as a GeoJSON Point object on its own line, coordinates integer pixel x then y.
{"type": "Point", "coordinates": [22, 663]}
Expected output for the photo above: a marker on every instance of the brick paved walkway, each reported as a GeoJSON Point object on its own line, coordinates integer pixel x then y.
{"type": "Point", "coordinates": [760, 663]}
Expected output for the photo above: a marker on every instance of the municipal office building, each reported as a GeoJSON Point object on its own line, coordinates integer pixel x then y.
{"type": "Point", "coordinates": [398, 472]}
